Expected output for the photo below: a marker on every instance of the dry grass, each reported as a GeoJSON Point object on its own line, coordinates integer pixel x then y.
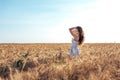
{"type": "Point", "coordinates": [52, 62]}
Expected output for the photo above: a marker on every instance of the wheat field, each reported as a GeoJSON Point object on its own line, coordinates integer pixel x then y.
{"type": "Point", "coordinates": [52, 62]}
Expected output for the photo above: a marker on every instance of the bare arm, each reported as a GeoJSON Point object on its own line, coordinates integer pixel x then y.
{"type": "Point", "coordinates": [72, 30]}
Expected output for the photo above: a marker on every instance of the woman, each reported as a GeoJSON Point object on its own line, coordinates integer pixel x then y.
{"type": "Point", "coordinates": [78, 38]}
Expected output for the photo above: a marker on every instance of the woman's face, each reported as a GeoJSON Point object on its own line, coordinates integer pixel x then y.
{"type": "Point", "coordinates": [75, 32]}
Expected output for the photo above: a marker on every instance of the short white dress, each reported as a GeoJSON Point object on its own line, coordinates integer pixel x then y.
{"type": "Point", "coordinates": [74, 48]}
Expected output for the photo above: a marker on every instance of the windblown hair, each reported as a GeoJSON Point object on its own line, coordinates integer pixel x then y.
{"type": "Point", "coordinates": [81, 34]}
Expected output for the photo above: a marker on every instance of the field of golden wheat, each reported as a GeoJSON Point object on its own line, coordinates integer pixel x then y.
{"type": "Point", "coordinates": [52, 62]}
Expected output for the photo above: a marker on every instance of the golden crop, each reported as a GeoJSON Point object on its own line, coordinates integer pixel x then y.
{"type": "Point", "coordinates": [52, 62]}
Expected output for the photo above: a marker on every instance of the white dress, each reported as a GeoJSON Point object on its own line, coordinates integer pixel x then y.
{"type": "Point", "coordinates": [74, 48]}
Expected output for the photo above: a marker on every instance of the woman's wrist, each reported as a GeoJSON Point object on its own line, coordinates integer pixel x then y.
{"type": "Point", "coordinates": [72, 28]}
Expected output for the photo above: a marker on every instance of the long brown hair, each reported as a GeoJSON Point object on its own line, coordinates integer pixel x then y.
{"type": "Point", "coordinates": [81, 34]}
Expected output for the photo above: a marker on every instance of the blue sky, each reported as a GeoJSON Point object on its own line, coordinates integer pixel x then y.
{"type": "Point", "coordinates": [38, 21]}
